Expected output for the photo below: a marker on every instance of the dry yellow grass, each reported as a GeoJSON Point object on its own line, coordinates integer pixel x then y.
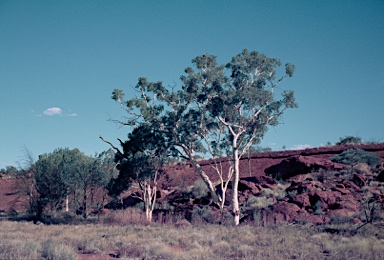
{"type": "Point", "coordinates": [25, 240]}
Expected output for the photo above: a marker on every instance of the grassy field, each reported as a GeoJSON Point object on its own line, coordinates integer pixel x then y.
{"type": "Point", "coordinates": [111, 237]}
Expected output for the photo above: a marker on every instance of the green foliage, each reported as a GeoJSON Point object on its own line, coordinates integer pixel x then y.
{"type": "Point", "coordinates": [50, 183]}
{"type": "Point", "coordinates": [355, 156]}
{"type": "Point", "coordinates": [10, 170]}
{"type": "Point", "coordinates": [213, 98]}
{"type": "Point", "coordinates": [219, 109]}
{"type": "Point", "coordinates": [278, 192]}
{"type": "Point", "coordinates": [141, 159]}
{"type": "Point", "coordinates": [64, 172]}
{"type": "Point", "coordinates": [199, 189]}
{"type": "Point", "coordinates": [261, 202]}
{"type": "Point", "coordinates": [349, 140]}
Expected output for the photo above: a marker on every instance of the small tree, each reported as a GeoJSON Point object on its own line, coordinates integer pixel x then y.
{"type": "Point", "coordinates": [140, 162]}
{"type": "Point", "coordinates": [63, 173]}
{"type": "Point", "coordinates": [50, 185]}
{"type": "Point", "coordinates": [82, 174]}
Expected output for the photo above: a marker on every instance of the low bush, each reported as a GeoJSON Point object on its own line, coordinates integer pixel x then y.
{"type": "Point", "coordinates": [199, 189]}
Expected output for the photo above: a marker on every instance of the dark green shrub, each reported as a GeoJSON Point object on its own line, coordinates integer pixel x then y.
{"type": "Point", "coordinates": [349, 140]}
{"type": "Point", "coordinates": [355, 156]}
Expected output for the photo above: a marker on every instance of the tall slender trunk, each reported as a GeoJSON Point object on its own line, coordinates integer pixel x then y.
{"type": "Point", "coordinates": [235, 183]}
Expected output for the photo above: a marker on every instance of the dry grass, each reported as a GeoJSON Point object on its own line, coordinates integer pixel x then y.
{"type": "Point", "coordinates": [120, 237]}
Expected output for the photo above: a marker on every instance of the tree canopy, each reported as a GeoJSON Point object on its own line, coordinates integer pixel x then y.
{"type": "Point", "coordinates": [218, 110]}
{"type": "Point", "coordinates": [64, 172]}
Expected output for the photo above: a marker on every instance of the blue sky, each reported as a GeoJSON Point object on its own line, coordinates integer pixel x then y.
{"type": "Point", "coordinates": [61, 60]}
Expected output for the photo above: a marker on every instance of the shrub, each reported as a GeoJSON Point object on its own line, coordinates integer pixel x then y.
{"type": "Point", "coordinates": [362, 168]}
{"type": "Point", "coordinates": [259, 202]}
{"type": "Point", "coordinates": [278, 192]}
{"type": "Point", "coordinates": [54, 250]}
{"type": "Point", "coordinates": [199, 189]}
{"type": "Point", "coordinates": [201, 215]}
{"type": "Point", "coordinates": [349, 140]}
{"type": "Point", "coordinates": [355, 156]}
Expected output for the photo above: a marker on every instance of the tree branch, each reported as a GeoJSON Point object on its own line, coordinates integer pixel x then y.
{"type": "Point", "coordinates": [115, 148]}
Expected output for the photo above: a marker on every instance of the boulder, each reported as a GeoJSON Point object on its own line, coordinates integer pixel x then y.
{"type": "Point", "coordinates": [307, 187]}
{"type": "Point", "coordinates": [326, 197]}
{"type": "Point", "coordinates": [343, 191]}
{"type": "Point", "coordinates": [351, 186]}
{"type": "Point", "coordinates": [285, 208]}
{"type": "Point", "coordinates": [301, 200]}
{"type": "Point", "coordinates": [341, 212]}
{"type": "Point", "coordinates": [349, 202]}
{"type": "Point", "coordinates": [246, 185]}
{"type": "Point", "coordinates": [318, 219]}
{"type": "Point", "coordinates": [359, 180]}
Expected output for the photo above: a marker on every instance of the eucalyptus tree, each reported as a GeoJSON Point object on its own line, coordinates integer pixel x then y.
{"type": "Point", "coordinates": [219, 109]}
{"type": "Point", "coordinates": [140, 162]}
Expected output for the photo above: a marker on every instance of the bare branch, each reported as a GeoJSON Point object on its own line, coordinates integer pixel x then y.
{"type": "Point", "coordinates": [115, 148]}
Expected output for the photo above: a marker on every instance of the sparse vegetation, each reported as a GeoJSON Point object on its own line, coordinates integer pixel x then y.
{"type": "Point", "coordinates": [26, 240]}
{"type": "Point", "coordinates": [188, 225]}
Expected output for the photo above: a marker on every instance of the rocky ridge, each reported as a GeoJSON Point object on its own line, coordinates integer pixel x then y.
{"type": "Point", "coordinates": [291, 186]}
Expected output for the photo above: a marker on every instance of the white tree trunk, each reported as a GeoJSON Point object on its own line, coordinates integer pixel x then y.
{"type": "Point", "coordinates": [149, 195]}
{"type": "Point", "coordinates": [235, 187]}
{"type": "Point", "coordinates": [203, 174]}
{"type": "Point", "coordinates": [66, 204]}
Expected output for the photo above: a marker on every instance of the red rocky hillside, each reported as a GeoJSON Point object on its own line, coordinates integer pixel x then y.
{"type": "Point", "coordinates": [292, 186]}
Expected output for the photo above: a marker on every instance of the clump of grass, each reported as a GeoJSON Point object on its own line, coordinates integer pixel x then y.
{"type": "Point", "coordinates": [18, 249]}
{"type": "Point", "coordinates": [53, 250]}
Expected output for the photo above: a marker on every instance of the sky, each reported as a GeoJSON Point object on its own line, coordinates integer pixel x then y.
{"type": "Point", "coordinates": [61, 60]}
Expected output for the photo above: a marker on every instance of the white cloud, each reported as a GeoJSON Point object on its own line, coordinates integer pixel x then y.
{"type": "Point", "coordinates": [301, 146]}
{"type": "Point", "coordinates": [53, 111]}
{"type": "Point", "coordinates": [56, 111]}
